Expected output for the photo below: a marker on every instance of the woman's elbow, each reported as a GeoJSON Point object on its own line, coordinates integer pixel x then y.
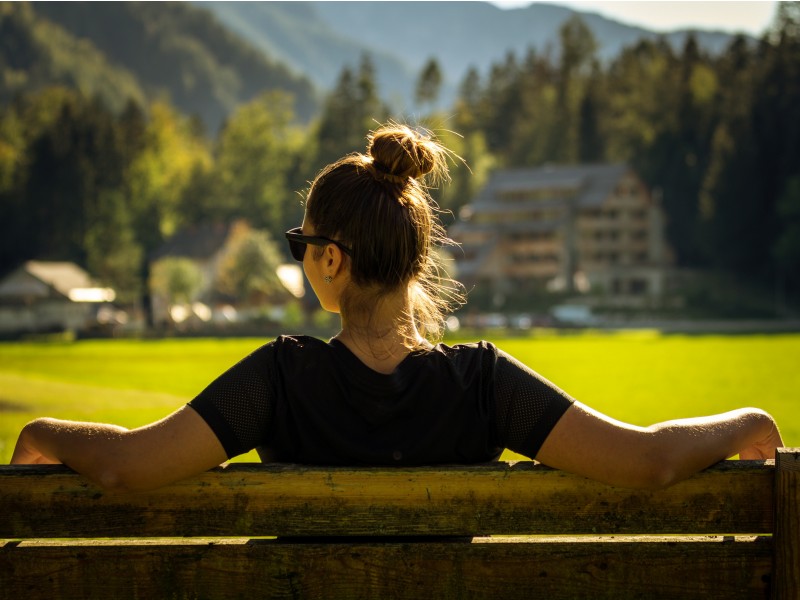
{"type": "Point", "coordinates": [655, 469]}
{"type": "Point", "coordinates": [120, 481]}
{"type": "Point", "coordinates": [659, 476]}
{"type": "Point", "coordinates": [110, 476]}
{"type": "Point", "coordinates": [665, 463]}
{"type": "Point", "coordinates": [655, 476]}
{"type": "Point", "coordinates": [117, 476]}
{"type": "Point", "coordinates": [111, 480]}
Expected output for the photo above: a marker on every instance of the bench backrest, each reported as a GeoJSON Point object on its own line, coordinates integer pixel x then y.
{"type": "Point", "coordinates": [292, 500]}
{"type": "Point", "coordinates": [754, 499]}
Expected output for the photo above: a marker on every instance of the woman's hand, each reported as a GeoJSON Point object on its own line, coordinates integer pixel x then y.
{"type": "Point", "coordinates": [766, 446]}
{"type": "Point", "coordinates": [27, 453]}
{"type": "Point", "coordinates": [29, 456]}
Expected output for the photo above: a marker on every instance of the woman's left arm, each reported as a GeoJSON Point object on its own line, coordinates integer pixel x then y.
{"type": "Point", "coordinates": [116, 458]}
{"type": "Point", "coordinates": [594, 445]}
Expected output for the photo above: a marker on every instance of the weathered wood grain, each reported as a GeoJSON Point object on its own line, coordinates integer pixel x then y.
{"type": "Point", "coordinates": [289, 500]}
{"type": "Point", "coordinates": [569, 568]}
{"type": "Point", "coordinates": [787, 525]}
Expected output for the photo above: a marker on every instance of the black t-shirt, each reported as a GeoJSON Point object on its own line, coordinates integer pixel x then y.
{"type": "Point", "coordinates": [303, 400]}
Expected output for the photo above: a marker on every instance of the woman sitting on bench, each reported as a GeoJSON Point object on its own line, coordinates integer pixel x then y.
{"type": "Point", "coordinates": [382, 391]}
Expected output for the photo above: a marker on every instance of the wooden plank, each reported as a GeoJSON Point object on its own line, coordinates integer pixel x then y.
{"type": "Point", "coordinates": [728, 568]}
{"type": "Point", "coordinates": [787, 524]}
{"type": "Point", "coordinates": [291, 500]}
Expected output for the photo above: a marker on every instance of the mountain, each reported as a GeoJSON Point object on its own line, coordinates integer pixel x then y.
{"type": "Point", "coordinates": [209, 57]}
{"type": "Point", "coordinates": [180, 51]}
{"type": "Point", "coordinates": [35, 53]}
{"type": "Point", "coordinates": [464, 34]}
{"type": "Point", "coordinates": [299, 35]}
{"type": "Point", "coordinates": [318, 38]}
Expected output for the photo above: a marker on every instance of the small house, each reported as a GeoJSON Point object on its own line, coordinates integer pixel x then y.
{"type": "Point", "coordinates": [42, 296]}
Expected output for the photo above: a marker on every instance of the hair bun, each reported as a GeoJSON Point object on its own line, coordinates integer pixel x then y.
{"type": "Point", "coordinates": [398, 153]}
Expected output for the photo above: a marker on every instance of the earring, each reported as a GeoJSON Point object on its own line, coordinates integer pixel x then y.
{"type": "Point", "coordinates": [327, 279]}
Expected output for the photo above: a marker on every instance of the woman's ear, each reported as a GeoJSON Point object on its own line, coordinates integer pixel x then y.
{"type": "Point", "coordinates": [333, 260]}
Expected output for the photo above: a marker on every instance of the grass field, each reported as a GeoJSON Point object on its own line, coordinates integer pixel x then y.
{"type": "Point", "coordinates": [639, 377]}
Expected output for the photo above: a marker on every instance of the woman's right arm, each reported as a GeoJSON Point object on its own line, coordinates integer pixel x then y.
{"type": "Point", "coordinates": [176, 447]}
{"type": "Point", "coordinates": [227, 418]}
{"type": "Point", "coordinates": [591, 444]}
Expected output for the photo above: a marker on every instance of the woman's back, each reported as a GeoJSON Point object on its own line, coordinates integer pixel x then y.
{"type": "Point", "coordinates": [303, 400]}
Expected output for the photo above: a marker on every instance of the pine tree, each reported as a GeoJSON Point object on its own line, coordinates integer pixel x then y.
{"type": "Point", "coordinates": [351, 109]}
{"type": "Point", "coordinates": [429, 84]}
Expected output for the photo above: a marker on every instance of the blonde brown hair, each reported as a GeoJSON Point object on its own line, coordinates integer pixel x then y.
{"type": "Point", "coordinates": [378, 205]}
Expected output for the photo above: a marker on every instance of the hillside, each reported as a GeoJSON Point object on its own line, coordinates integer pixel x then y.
{"type": "Point", "coordinates": [318, 38]}
{"type": "Point", "coordinates": [464, 34]}
{"type": "Point", "coordinates": [177, 50]}
{"type": "Point", "coordinates": [35, 53]}
{"type": "Point", "coordinates": [299, 35]}
{"type": "Point", "coordinates": [209, 57]}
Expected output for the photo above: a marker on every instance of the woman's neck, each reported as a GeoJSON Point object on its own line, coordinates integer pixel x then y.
{"type": "Point", "coordinates": [384, 335]}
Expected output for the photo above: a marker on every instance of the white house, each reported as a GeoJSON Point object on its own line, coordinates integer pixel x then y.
{"type": "Point", "coordinates": [49, 296]}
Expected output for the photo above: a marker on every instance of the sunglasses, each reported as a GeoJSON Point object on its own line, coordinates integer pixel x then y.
{"type": "Point", "coordinates": [298, 243]}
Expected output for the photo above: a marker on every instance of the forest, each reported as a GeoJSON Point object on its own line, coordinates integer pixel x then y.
{"type": "Point", "coordinates": [99, 171]}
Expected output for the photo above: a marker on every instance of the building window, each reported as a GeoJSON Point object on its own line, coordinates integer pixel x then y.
{"type": "Point", "coordinates": [638, 287]}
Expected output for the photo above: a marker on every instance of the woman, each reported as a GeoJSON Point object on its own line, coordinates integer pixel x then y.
{"type": "Point", "coordinates": [380, 392]}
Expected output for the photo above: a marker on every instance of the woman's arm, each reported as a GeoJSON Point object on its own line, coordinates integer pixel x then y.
{"type": "Point", "coordinates": [176, 447]}
{"type": "Point", "coordinates": [227, 418]}
{"type": "Point", "coordinates": [589, 443]}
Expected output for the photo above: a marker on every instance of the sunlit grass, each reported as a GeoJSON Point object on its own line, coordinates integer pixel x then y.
{"type": "Point", "coordinates": [130, 383]}
{"type": "Point", "coordinates": [648, 378]}
{"type": "Point", "coordinates": [639, 377]}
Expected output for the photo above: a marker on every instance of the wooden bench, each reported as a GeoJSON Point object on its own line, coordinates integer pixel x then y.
{"type": "Point", "coordinates": [729, 532]}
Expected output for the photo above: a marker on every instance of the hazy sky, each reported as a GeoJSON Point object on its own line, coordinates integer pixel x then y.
{"type": "Point", "coordinates": [751, 17]}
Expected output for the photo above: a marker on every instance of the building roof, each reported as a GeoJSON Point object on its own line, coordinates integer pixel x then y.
{"type": "Point", "coordinates": [591, 183]}
{"type": "Point", "coordinates": [38, 279]}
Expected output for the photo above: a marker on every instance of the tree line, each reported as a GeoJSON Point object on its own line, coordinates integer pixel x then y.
{"type": "Point", "coordinates": [719, 136]}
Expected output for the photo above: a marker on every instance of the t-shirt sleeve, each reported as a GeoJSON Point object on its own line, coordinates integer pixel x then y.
{"type": "Point", "coordinates": [528, 406]}
{"type": "Point", "coordinates": [239, 404]}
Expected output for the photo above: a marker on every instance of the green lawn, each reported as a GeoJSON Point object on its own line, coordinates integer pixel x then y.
{"type": "Point", "coordinates": [640, 377]}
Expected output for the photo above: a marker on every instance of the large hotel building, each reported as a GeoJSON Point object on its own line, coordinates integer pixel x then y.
{"type": "Point", "coordinates": [575, 229]}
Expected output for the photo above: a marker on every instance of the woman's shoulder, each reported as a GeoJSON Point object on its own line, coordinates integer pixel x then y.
{"type": "Point", "coordinates": [289, 345]}
{"type": "Point", "coordinates": [298, 344]}
{"type": "Point", "coordinates": [466, 348]}
{"type": "Point", "coordinates": [299, 341]}
{"type": "Point", "coordinates": [290, 352]}
{"type": "Point", "coordinates": [466, 354]}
